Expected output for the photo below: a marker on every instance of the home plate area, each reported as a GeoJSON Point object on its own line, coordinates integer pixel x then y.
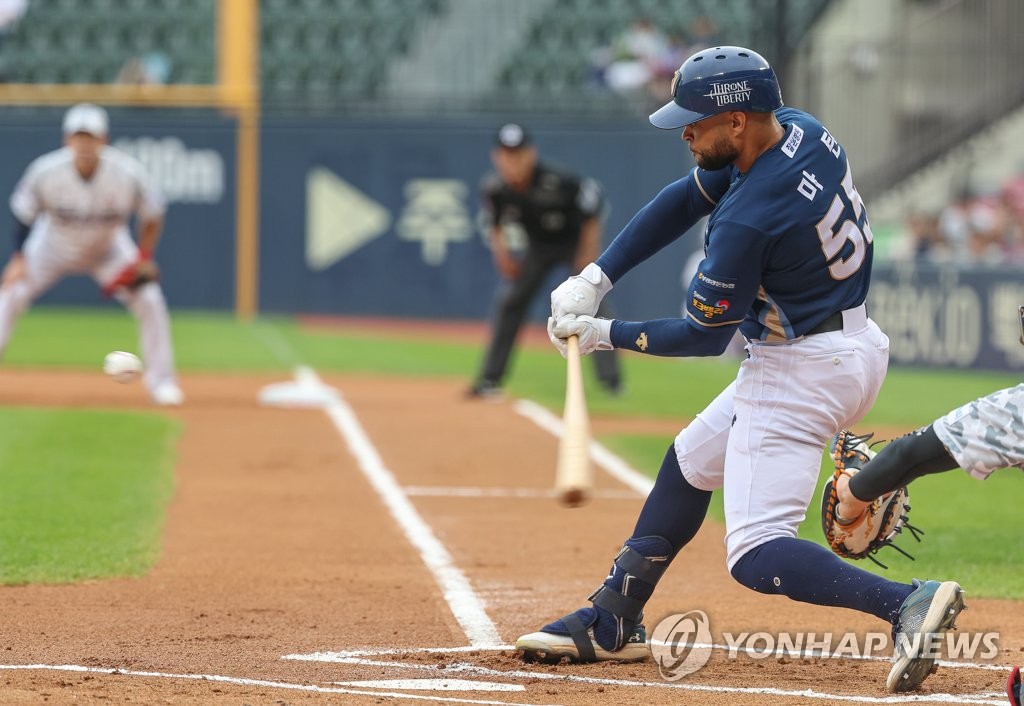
{"type": "Point", "coordinates": [462, 674]}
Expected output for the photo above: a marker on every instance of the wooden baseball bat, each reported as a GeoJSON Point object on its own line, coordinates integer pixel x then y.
{"type": "Point", "coordinates": [574, 478]}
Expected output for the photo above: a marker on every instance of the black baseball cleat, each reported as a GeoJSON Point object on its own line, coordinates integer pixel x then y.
{"type": "Point", "coordinates": [614, 388]}
{"type": "Point", "coordinates": [484, 390]}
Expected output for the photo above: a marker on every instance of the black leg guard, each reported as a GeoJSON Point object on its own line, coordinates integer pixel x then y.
{"type": "Point", "coordinates": [620, 600]}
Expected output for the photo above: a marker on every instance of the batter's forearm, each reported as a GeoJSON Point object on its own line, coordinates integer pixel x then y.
{"type": "Point", "coordinates": [671, 337]}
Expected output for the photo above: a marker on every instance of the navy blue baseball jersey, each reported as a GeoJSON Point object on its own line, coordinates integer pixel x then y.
{"type": "Point", "coordinates": [787, 245]}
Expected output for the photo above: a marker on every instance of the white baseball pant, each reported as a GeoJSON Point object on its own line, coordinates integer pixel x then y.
{"type": "Point", "coordinates": [762, 438]}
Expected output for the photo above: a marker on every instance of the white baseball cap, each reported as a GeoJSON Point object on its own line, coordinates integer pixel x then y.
{"type": "Point", "coordinates": [86, 117]}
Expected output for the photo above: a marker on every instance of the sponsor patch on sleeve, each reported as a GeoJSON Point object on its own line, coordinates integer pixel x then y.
{"type": "Point", "coordinates": [792, 143]}
{"type": "Point", "coordinates": [710, 300]}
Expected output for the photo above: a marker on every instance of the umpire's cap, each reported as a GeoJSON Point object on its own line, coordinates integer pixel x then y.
{"type": "Point", "coordinates": [88, 118]}
{"type": "Point", "coordinates": [512, 136]}
{"type": "Point", "coordinates": [718, 80]}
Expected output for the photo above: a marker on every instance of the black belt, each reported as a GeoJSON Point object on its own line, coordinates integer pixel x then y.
{"type": "Point", "coordinates": [832, 323]}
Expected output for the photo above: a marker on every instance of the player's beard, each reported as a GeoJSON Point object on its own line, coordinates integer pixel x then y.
{"type": "Point", "coordinates": [721, 154]}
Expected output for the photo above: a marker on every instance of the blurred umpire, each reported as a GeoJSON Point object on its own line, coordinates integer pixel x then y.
{"type": "Point", "coordinates": [540, 218]}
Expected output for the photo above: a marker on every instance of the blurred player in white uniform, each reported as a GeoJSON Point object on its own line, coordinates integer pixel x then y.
{"type": "Point", "coordinates": [71, 210]}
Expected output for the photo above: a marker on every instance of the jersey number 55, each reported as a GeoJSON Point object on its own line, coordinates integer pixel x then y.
{"type": "Point", "coordinates": [833, 238]}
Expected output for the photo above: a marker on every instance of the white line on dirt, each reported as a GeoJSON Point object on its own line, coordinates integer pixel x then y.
{"type": "Point", "coordinates": [987, 698]}
{"type": "Point", "coordinates": [615, 466]}
{"type": "Point", "coordinates": [252, 682]}
{"type": "Point", "coordinates": [382, 651]}
{"type": "Point", "coordinates": [463, 601]}
{"type": "Point", "coordinates": [344, 655]}
{"type": "Point", "coordinates": [471, 492]}
{"type": "Point", "coordinates": [434, 685]}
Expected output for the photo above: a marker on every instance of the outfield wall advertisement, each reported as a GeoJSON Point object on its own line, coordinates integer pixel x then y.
{"type": "Point", "coordinates": [384, 218]}
{"type": "Point", "coordinates": [949, 317]}
{"type": "Point", "coordinates": [191, 157]}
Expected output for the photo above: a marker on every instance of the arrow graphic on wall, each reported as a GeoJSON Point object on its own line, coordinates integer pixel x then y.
{"type": "Point", "coordinates": [340, 219]}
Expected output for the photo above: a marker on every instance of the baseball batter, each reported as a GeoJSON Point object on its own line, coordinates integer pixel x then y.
{"type": "Point", "coordinates": [71, 210]}
{"type": "Point", "coordinates": [788, 252]}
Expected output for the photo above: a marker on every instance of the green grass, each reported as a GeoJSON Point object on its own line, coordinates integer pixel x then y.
{"type": "Point", "coordinates": [82, 493]}
{"type": "Point", "coordinates": [971, 526]}
{"type": "Point", "coordinates": [657, 387]}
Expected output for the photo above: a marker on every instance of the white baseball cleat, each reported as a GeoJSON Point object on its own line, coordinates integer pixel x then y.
{"type": "Point", "coordinates": [572, 637]}
{"type": "Point", "coordinates": [548, 647]}
{"type": "Point", "coordinates": [545, 647]}
{"type": "Point", "coordinates": [168, 394]}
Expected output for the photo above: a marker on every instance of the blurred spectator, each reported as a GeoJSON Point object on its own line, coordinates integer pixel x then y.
{"type": "Point", "coordinates": [631, 62]}
{"type": "Point", "coordinates": [1013, 194]}
{"type": "Point", "coordinates": [922, 240]}
{"type": "Point", "coordinates": [11, 12]}
{"type": "Point", "coordinates": [677, 49]}
{"type": "Point", "coordinates": [703, 35]}
{"type": "Point", "coordinates": [150, 69]}
{"type": "Point", "coordinates": [643, 57]}
{"type": "Point", "coordinates": [1012, 199]}
{"type": "Point", "coordinates": [975, 228]}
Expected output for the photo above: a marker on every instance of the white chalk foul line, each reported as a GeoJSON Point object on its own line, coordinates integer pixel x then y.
{"type": "Point", "coordinates": [615, 466]}
{"type": "Point", "coordinates": [239, 681]}
{"type": "Point", "coordinates": [463, 601]}
{"type": "Point", "coordinates": [987, 698]}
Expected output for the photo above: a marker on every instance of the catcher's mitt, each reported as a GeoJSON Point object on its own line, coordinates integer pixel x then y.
{"type": "Point", "coordinates": [879, 523]}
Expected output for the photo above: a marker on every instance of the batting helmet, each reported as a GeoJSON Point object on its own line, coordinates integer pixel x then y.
{"type": "Point", "coordinates": [718, 80]}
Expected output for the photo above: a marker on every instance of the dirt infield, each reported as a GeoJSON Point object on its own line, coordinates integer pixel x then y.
{"type": "Point", "coordinates": [403, 534]}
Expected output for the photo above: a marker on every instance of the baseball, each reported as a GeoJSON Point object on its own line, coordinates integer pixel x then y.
{"type": "Point", "coordinates": [122, 366]}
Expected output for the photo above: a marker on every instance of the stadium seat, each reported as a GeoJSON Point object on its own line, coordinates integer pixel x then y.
{"type": "Point", "coordinates": [569, 31]}
{"type": "Point", "coordinates": [89, 40]}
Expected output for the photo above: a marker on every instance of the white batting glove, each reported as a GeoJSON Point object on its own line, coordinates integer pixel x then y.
{"type": "Point", "coordinates": [594, 334]}
{"type": "Point", "coordinates": [580, 294]}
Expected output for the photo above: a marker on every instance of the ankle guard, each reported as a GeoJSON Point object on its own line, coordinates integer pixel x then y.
{"type": "Point", "coordinates": [620, 600]}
